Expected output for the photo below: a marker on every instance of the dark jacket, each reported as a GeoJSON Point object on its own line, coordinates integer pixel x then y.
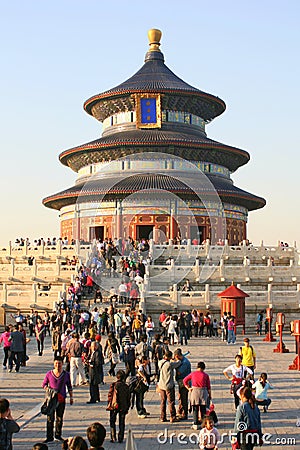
{"type": "Point", "coordinates": [123, 396]}
{"type": "Point", "coordinates": [95, 367]}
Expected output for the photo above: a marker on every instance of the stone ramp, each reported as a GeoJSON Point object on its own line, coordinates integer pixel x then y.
{"type": "Point", "coordinates": [25, 393]}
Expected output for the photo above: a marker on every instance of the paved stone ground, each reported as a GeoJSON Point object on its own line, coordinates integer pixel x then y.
{"type": "Point", "coordinates": [25, 394]}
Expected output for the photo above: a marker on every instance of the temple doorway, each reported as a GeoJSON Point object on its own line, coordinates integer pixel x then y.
{"type": "Point", "coordinates": [197, 232]}
{"type": "Point", "coordinates": [144, 231]}
{"type": "Point", "coordinates": [96, 233]}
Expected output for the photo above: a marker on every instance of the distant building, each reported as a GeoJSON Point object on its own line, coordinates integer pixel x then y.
{"type": "Point", "coordinates": [155, 141]}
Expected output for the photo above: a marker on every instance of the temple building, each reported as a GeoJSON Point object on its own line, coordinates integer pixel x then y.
{"type": "Point", "coordinates": [154, 172]}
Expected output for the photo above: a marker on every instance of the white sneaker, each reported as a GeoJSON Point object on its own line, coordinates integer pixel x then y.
{"type": "Point", "coordinates": [195, 427]}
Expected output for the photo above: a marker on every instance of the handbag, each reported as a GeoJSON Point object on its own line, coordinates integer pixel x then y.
{"type": "Point", "coordinates": [44, 408]}
{"type": "Point", "coordinates": [141, 387]}
{"type": "Point", "coordinates": [113, 404]}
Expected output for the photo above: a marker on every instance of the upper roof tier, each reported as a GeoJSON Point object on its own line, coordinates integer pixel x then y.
{"type": "Point", "coordinates": [155, 77]}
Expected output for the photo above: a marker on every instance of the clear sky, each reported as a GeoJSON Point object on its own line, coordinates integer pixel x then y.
{"type": "Point", "coordinates": [56, 54]}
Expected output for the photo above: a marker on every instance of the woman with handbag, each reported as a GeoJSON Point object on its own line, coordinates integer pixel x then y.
{"type": "Point", "coordinates": [238, 374]}
{"type": "Point", "coordinates": [198, 383]}
{"type": "Point", "coordinates": [112, 350]}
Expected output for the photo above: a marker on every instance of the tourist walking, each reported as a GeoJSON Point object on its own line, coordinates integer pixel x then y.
{"type": "Point", "coordinates": [166, 386]}
{"type": "Point", "coordinates": [112, 350]}
{"type": "Point", "coordinates": [4, 338]}
{"type": "Point", "coordinates": [95, 370]}
{"type": "Point", "coordinates": [248, 354]}
{"type": "Point", "coordinates": [40, 336]}
{"type": "Point", "coordinates": [231, 334]}
{"type": "Point", "coordinates": [75, 350]}
{"type": "Point", "coordinates": [58, 380]}
{"type": "Point", "coordinates": [247, 421]}
{"type": "Point", "coordinates": [195, 321]}
{"type": "Point", "coordinates": [129, 357]}
{"type": "Point", "coordinates": [198, 383]}
{"type": "Point", "coordinates": [149, 328]}
{"type": "Point", "coordinates": [56, 341]}
{"type": "Point", "coordinates": [183, 394]}
{"type": "Point", "coordinates": [118, 404]}
{"type": "Point", "coordinates": [238, 373]}
{"type": "Point", "coordinates": [143, 373]}
{"type": "Point", "coordinates": [182, 327]}
{"type": "Point", "coordinates": [16, 349]}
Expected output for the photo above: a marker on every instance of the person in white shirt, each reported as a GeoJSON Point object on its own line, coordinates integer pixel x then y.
{"type": "Point", "coordinates": [95, 315]}
{"type": "Point", "coordinates": [122, 293]}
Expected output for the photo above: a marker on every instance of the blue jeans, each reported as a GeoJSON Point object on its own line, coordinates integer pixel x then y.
{"type": "Point", "coordinates": [149, 334]}
{"type": "Point", "coordinates": [183, 336]}
{"type": "Point", "coordinates": [231, 337]}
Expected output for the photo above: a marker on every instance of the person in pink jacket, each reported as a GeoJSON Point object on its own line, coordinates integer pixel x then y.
{"type": "Point", "coordinates": [6, 345]}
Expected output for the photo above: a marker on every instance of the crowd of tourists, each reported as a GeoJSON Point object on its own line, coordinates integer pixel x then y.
{"type": "Point", "coordinates": [87, 341]}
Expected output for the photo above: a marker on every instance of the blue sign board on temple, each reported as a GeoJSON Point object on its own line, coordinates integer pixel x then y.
{"type": "Point", "coordinates": [148, 110]}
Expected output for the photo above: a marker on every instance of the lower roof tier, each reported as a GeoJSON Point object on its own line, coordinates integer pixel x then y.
{"type": "Point", "coordinates": [111, 188]}
{"type": "Point", "coordinates": [190, 146]}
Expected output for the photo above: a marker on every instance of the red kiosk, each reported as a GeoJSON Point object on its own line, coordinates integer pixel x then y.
{"type": "Point", "coordinates": [280, 321]}
{"type": "Point", "coordinates": [296, 333]}
{"type": "Point", "coordinates": [233, 302]}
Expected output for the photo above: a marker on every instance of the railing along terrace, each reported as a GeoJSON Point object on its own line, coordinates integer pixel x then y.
{"type": "Point", "coordinates": [240, 251]}
{"type": "Point", "coordinates": [45, 250]}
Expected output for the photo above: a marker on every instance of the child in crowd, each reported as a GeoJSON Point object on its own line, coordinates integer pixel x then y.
{"type": "Point", "coordinates": [209, 436]}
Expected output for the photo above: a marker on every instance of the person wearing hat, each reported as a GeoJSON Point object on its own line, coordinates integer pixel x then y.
{"type": "Point", "coordinates": [248, 354]}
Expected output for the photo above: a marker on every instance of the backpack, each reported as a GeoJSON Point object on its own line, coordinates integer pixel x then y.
{"type": "Point", "coordinates": [159, 352]}
{"type": "Point", "coordinates": [4, 438]}
{"type": "Point", "coordinates": [132, 384]}
{"type": "Point", "coordinates": [207, 320]}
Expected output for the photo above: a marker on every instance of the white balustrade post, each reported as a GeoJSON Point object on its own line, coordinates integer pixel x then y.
{"type": "Point", "coordinates": [151, 248]}
{"type": "Point", "coordinates": [57, 267]}
{"type": "Point", "coordinates": [59, 247]}
{"type": "Point", "coordinates": [12, 268]}
{"type": "Point", "coordinates": [34, 268]}
{"type": "Point", "coordinates": [207, 247]}
{"type": "Point", "coordinates": [207, 296]}
{"type": "Point", "coordinates": [298, 294]}
{"type": "Point", "coordinates": [197, 268]}
{"type": "Point", "coordinates": [188, 247]}
{"type": "Point", "coordinates": [222, 268]}
{"type": "Point", "coordinates": [4, 295]}
{"type": "Point", "coordinates": [175, 295]}
{"type": "Point", "coordinates": [270, 297]}
{"type": "Point", "coordinates": [34, 293]}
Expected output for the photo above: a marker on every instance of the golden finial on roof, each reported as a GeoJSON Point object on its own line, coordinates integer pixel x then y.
{"type": "Point", "coordinates": [154, 37]}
